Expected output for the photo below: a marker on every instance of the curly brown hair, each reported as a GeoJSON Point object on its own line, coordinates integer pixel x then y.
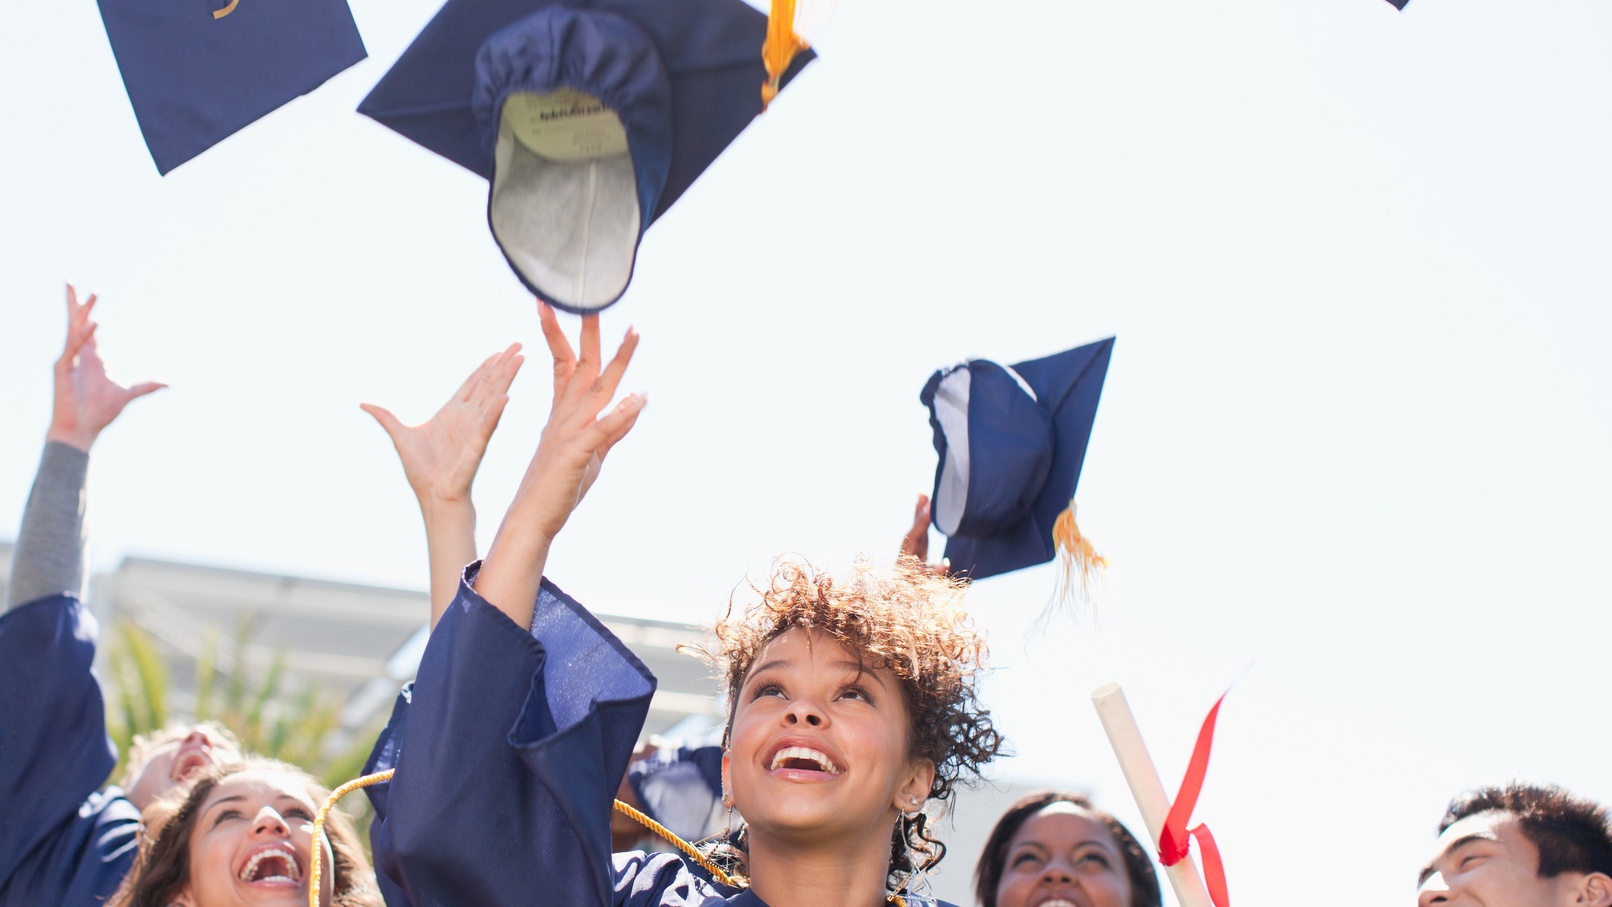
{"type": "Point", "coordinates": [161, 870]}
{"type": "Point", "coordinates": [907, 620]}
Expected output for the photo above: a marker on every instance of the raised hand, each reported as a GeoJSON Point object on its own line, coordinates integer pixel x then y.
{"type": "Point", "coordinates": [87, 401]}
{"type": "Point", "coordinates": [441, 455]}
{"type": "Point", "coordinates": [440, 458]}
{"type": "Point", "coordinates": [916, 542]}
{"type": "Point", "coordinates": [574, 445]}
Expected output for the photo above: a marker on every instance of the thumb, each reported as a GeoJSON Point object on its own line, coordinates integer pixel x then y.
{"type": "Point", "coordinates": [149, 387]}
{"type": "Point", "coordinates": [389, 422]}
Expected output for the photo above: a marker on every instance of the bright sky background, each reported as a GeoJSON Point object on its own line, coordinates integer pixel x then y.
{"type": "Point", "coordinates": [1357, 429]}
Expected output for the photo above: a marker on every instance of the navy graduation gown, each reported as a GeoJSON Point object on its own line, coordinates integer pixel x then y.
{"type": "Point", "coordinates": [509, 748]}
{"type": "Point", "coordinates": [61, 841]}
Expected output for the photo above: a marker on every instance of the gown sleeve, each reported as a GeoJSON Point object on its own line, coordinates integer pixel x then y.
{"type": "Point", "coordinates": [54, 754]}
{"type": "Point", "coordinates": [509, 749]}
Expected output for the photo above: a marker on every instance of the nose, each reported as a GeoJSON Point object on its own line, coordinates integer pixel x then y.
{"type": "Point", "coordinates": [197, 737]}
{"type": "Point", "coordinates": [1057, 873]}
{"type": "Point", "coordinates": [1433, 892]}
{"type": "Point", "coordinates": [269, 822]}
{"type": "Point", "coordinates": [805, 711]}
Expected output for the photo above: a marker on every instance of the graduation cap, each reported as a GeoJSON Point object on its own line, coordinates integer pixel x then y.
{"type": "Point", "coordinates": [589, 118]}
{"type": "Point", "coordinates": [1011, 441]}
{"type": "Point", "coordinates": [1399, 4]}
{"type": "Point", "coordinates": [200, 70]}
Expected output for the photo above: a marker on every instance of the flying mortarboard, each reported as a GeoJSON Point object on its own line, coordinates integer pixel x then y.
{"type": "Point", "coordinates": [1011, 441]}
{"type": "Point", "coordinates": [197, 71]}
{"type": "Point", "coordinates": [1399, 4]}
{"type": "Point", "coordinates": [588, 119]}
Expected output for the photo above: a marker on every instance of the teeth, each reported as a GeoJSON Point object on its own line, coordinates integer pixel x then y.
{"type": "Point", "coordinates": [801, 752]}
{"type": "Point", "coordinates": [279, 853]}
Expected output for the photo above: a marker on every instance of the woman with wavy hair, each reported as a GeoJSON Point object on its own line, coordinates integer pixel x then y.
{"type": "Point", "coordinates": [1055, 849]}
{"type": "Point", "coordinates": [851, 708]}
{"type": "Point", "coordinates": [243, 834]}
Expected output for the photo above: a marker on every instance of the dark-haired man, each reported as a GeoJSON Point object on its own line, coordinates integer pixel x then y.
{"type": "Point", "coordinates": [1520, 845]}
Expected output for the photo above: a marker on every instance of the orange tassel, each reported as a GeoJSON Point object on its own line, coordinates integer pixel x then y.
{"type": "Point", "coordinates": [780, 48]}
{"type": "Point", "coordinates": [1081, 565]}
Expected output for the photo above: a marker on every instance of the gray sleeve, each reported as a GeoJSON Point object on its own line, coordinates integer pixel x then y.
{"type": "Point", "coordinates": [49, 557]}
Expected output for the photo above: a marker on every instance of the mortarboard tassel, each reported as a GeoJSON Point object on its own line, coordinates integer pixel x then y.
{"type": "Point", "coordinates": [782, 44]}
{"type": "Point", "coordinates": [315, 869]}
{"type": "Point", "coordinates": [1080, 563]}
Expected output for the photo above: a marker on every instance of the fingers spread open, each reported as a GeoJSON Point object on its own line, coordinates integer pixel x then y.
{"type": "Point", "coordinates": [75, 344]}
{"type": "Point", "coordinates": [608, 380]}
{"type": "Point", "coordinates": [590, 343]}
{"type": "Point", "coordinates": [476, 378]}
{"type": "Point", "coordinates": [502, 373]}
{"type": "Point", "coordinates": [559, 347]}
{"type": "Point", "coordinates": [614, 425]}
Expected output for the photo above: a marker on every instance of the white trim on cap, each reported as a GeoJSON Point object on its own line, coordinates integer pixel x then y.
{"type": "Point", "coordinates": [951, 411]}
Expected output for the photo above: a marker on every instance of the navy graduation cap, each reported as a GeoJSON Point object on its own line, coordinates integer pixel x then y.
{"type": "Point", "coordinates": [197, 71]}
{"type": "Point", "coordinates": [1011, 441]}
{"type": "Point", "coordinates": [589, 118]}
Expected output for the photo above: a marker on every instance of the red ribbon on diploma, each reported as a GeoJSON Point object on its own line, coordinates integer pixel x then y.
{"type": "Point", "coordinates": [1174, 841]}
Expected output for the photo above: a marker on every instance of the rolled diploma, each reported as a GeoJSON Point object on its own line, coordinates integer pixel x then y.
{"type": "Point", "coordinates": [1143, 777]}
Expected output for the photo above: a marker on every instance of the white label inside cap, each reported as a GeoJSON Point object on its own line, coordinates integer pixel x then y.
{"type": "Point", "coordinates": [566, 125]}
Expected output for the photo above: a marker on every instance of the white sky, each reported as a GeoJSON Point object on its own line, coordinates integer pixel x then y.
{"type": "Point", "coordinates": [1357, 426]}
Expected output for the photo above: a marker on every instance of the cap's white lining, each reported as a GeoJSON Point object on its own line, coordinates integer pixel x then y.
{"type": "Point", "coordinates": [569, 226]}
{"type": "Point", "coordinates": [951, 411]}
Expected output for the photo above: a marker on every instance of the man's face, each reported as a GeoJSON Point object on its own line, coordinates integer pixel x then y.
{"type": "Point", "coordinates": [177, 760]}
{"type": "Point", "coordinates": [1485, 860]}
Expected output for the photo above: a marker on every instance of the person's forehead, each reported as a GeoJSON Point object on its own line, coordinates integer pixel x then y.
{"type": "Point", "coordinates": [1063, 824]}
{"type": "Point", "coordinates": [800, 645]}
{"type": "Point", "coordinates": [1495, 826]}
{"type": "Point", "coordinates": [263, 784]}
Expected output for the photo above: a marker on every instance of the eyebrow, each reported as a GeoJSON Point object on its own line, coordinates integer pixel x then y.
{"type": "Point", "coordinates": [847, 664]}
{"type": "Point", "coordinates": [222, 800]}
{"type": "Point", "coordinates": [1427, 871]}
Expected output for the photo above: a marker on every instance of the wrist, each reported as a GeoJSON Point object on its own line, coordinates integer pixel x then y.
{"type": "Point", "coordinates": [77, 438]}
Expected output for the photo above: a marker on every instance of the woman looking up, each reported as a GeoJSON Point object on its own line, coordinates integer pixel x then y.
{"type": "Point", "coordinates": [851, 704]}
{"type": "Point", "coordinates": [243, 834]}
{"type": "Point", "coordinates": [1054, 849]}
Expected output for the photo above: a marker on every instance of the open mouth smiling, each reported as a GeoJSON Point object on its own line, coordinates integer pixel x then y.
{"type": "Point", "coordinates": [272, 866]}
{"type": "Point", "coordinates": [793, 759]}
{"type": "Point", "coordinates": [190, 761]}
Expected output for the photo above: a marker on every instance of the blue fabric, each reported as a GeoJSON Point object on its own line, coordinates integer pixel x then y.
{"type": "Point", "coordinates": [710, 49]}
{"type": "Point", "coordinates": [1007, 471]}
{"type": "Point", "coordinates": [61, 842]}
{"type": "Point", "coordinates": [194, 80]}
{"type": "Point", "coordinates": [509, 750]}
{"type": "Point", "coordinates": [595, 52]}
{"type": "Point", "coordinates": [681, 109]}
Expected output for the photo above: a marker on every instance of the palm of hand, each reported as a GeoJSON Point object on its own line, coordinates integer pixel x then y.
{"type": "Point", "coordinates": [441, 456]}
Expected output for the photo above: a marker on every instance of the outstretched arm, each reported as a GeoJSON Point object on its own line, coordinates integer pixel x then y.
{"type": "Point", "coordinates": [440, 457]}
{"type": "Point", "coordinates": [574, 444]}
{"type": "Point", "coordinates": [49, 558]}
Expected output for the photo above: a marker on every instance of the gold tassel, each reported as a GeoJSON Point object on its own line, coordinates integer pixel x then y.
{"type": "Point", "coordinates": [314, 861]}
{"type": "Point", "coordinates": [1080, 564]}
{"type": "Point", "coordinates": [780, 48]}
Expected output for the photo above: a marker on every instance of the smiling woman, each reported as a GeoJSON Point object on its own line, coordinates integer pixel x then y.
{"type": "Point", "coordinates": [1054, 849]}
{"type": "Point", "coordinates": [877, 672]}
{"type": "Point", "coordinates": [243, 834]}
